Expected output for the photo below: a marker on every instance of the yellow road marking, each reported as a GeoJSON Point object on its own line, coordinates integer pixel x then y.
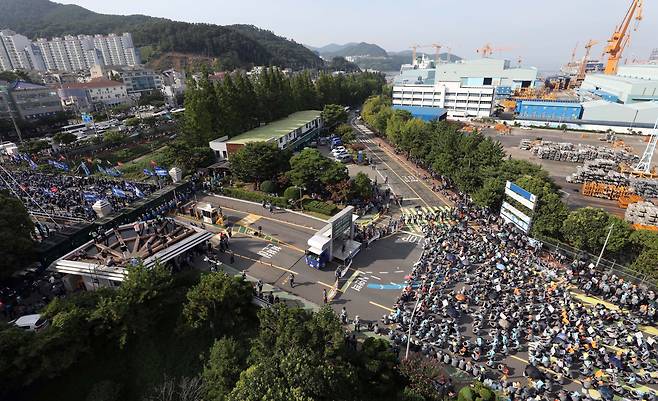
{"type": "Point", "coordinates": [273, 219]}
{"type": "Point", "coordinates": [381, 306]}
{"type": "Point", "coordinates": [248, 220]}
{"type": "Point", "coordinates": [279, 242]}
{"type": "Point", "coordinates": [350, 280]}
{"type": "Point", "coordinates": [328, 286]}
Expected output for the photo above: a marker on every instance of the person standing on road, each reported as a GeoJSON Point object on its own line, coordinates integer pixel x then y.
{"type": "Point", "coordinates": [232, 258]}
{"type": "Point", "coordinates": [343, 315]}
{"type": "Point", "coordinates": [291, 280]}
{"type": "Point", "coordinates": [324, 296]}
{"type": "Point", "coordinates": [357, 323]}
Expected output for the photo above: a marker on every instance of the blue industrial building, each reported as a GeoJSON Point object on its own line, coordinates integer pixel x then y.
{"type": "Point", "coordinates": [607, 96]}
{"type": "Point", "coordinates": [424, 113]}
{"type": "Point", "coordinates": [552, 110]}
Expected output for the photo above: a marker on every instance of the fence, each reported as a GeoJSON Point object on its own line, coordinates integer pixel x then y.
{"type": "Point", "coordinates": [606, 265]}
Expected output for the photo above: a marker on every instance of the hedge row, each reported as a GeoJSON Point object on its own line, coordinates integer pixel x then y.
{"type": "Point", "coordinates": [317, 206]}
{"type": "Point", "coordinates": [254, 196]}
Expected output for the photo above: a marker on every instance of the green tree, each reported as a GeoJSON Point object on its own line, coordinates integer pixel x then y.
{"type": "Point", "coordinates": [550, 212]}
{"type": "Point", "coordinates": [587, 229]}
{"type": "Point", "coordinates": [219, 303]}
{"type": "Point", "coordinates": [188, 158]}
{"type": "Point", "coordinates": [311, 170]}
{"type": "Point", "coordinates": [334, 114]}
{"type": "Point", "coordinates": [16, 229]}
{"type": "Point", "coordinates": [227, 360]}
{"type": "Point", "coordinates": [259, 161]}
{"type": "Point", "coordinates": [422, 375]}
{"type": "Point", "coordinates": [33, 146]}
{"type": "Point", "coordinates": [64, 138]}
{"type": "Point", "coordinates": [114, 137]}
{"type": "Point", "coordinates": [361, 186]}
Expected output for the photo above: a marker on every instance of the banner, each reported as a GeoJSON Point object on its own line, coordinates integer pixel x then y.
{"type": "Point", "coordinates": [148, 172]}
{"type": "Point", "coordinates": [159, 171]}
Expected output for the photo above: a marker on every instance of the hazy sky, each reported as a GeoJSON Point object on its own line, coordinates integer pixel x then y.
{"type": "Point", "coordinates": [542, 32]}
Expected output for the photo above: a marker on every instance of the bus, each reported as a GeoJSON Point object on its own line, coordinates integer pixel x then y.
{"type": "Point", "coordinates": [75, 129]}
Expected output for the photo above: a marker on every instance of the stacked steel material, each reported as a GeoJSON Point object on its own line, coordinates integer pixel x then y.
{"type": "Point", "coordinates": [644, 213]}
{"type": "Point", "coordinates": [599, 170]}
{"type": "Point", "coordinates": [568, 152]}
{"type": "Point", "coordinates": [646, 188]}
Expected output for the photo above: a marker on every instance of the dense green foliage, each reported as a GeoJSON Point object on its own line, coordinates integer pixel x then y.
{"type": "Point", "coordinates": [315, 173]}
{"type": "Point", "coordinates": [333, 114]}
{"type": "Point", "coordinates": [234, 46]}
{"type": "Point", "coordinates": [238, 103]}
{"type": "Point", "coordinates": [16, 228]}
{"type": "Point", "coordinates": [361, 187]}
{"type": "Point", "coordinates": [478, 165]}
{"type": "Point", "coordinates": [259, 161]}
{"type": "Point", "coordinates": [313, 205]}
{"type": "Point", "coordinates": [255, 196]}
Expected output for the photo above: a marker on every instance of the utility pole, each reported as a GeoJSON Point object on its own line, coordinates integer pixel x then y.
{"type": "Point", "coordinates": [605, 244]}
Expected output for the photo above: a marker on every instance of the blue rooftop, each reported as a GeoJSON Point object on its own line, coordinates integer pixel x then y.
{"type": "Point", "coordinates": [549, 103]}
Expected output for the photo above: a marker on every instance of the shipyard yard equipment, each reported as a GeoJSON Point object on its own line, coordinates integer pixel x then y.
{"type": "Point", "coordinates": [622, 35]}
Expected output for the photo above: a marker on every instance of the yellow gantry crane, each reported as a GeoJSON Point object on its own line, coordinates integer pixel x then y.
{"type": "Point", "coordinates": [582, 70]}
{"type": "Point", "coordinates": [620, 38]}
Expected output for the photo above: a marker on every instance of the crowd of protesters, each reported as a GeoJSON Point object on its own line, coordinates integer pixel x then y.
{"type": "Point", "coordinates": [71, 196]}
{"type": "Point", "coordinates": [483, 297]}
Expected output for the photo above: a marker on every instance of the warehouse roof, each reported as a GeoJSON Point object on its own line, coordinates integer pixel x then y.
{"type": "Point", "coordinates": [549, 103]}
{"type": "Point", "coordinates": [277, 129]}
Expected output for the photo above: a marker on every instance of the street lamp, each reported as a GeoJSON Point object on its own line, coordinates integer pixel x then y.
{"type": "Point", "coordinates": [411, 323]}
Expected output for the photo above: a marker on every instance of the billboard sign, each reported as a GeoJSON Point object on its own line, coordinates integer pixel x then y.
{"type": "Point", "coordinates": [512, 214]}
{"type": "Point", "coordinates": [520, 195]}
{"type": "Point", "coordinates": [341, 223]}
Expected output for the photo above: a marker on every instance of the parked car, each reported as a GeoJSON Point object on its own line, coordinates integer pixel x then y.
{"type": "Point", "coordinates": [344, 158]}
{"type": "Point", "coordinates": [339, 149]}
{"type": "Point", "coordinates": [31, 322]}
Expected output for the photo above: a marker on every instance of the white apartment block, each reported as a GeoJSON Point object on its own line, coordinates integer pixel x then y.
{"type": "Point", "coordinates": [70, 53]}
{"type": "Point", "coordinates": [464, 89]}
{"type": "Point", "coordinates": [18, 53]}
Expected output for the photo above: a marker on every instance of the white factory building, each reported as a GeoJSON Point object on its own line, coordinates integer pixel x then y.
{"type": "Point", "coordinates": [633, 115]}
{"type": "Point", "coordinates": [632, 84]}
{"type": "Point", "coordinates": [464, 89]}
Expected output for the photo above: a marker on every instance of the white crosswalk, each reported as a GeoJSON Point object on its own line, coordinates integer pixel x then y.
{"type": "Point", "coordinates": [417, 217]}
{"type": "Point", "coordinates": [366, 140]}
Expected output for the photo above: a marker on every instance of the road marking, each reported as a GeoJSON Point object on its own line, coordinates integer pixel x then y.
{"type": "Point", "coordinates": [263, 263]}
{"type": "Point", "coordinates": [392, 283]}
{"type": "Point", "coordinates": [399, 271]}
{"type": "Point", "coordinates": [376, 278]}
{"type": "Point", "coordinates": [272, 219]}
{"type": "Point", "coordinates": [381, 306]}
{"type": "Point", "coordinates": [349, 281]}
{"type": "Point", "coordinates": [394, 172]}
{"type": "Point", "coordinates": [269, 251]}
{"type": "Point", "coordinates": [410, 199]}
{"type": "Point", "coordinates": [383, 272]}
{"type": "Point", "coordinates": [279, 242]}
{"type": "Point", "coordinates": [359, 283]}
{"type": "Point", "coordinates": [328, 286]}
{"type": "Point", "coordinates": [248, 220]}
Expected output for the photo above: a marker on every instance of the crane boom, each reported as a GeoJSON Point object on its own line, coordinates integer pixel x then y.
{"type": "Point", "coordinates": [620, 37]}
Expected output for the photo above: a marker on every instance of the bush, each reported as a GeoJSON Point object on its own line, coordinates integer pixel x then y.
{"type": "Point", "coordinates": [292, 193]}
{"type": "Point", "coordinates": [317, 206]}
{"type": "Point", "coordinates": [254, 196]}
{"type": "Point", "coordinates": [268, 187]}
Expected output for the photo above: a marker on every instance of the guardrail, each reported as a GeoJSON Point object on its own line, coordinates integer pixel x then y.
{"type": "Point", "coordinates": [606, 265]}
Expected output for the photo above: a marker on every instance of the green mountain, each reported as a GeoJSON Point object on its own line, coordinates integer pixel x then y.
{"type": "Point", "coordinates": [233, 46]}
{"type": "Point", "coordinates": [352, 49]}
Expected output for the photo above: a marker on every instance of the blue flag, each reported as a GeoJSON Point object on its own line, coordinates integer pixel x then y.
{"type": "Point", "coordinates": [148, 172]}
{"type": "Point", "coordinates": [84, 168]}
{"type": "Point", "coordinates": [101, 169]}
{"type": "Point", "coordinates": [161, 172]}
{"type": "Point", "coordinates": [33, 165]}
{"type": "Point", "coordinates": [89, 197]}
{"type": "Point", "coordinates": [118, 192]}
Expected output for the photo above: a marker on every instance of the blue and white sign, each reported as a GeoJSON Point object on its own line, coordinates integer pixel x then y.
{"type": "Point", "coordinates": [513, 215]}
{"type": "Point", "coordinates": [87, 118]}
{"type": "Point", "coordinates": [520, 195]}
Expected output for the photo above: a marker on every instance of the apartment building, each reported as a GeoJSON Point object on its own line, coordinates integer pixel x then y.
{"type": "Point", "coordinates": [17, 52]}
{"type": "Point", "coordinates": [137, 80]}
{"type": "Point", "coordinates": [68, 53]}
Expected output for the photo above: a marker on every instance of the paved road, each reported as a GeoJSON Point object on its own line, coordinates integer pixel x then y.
{"type": "Point", "coordinates": [403, 177]}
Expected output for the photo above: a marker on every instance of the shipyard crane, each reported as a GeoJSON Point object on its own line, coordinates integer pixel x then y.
{"type": "Point", "coordinates": [413, 53]}
{"type": "Point", "coordinates": [620, 38]}
{"type": "Point", "coordinates": [437, 52]}
{"type": "Point", "coordinates": [487, 50]}
{"type": "Point", "coordinates": [573, 54]}
{"type": "Point", "coordinates": [582, 70]}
